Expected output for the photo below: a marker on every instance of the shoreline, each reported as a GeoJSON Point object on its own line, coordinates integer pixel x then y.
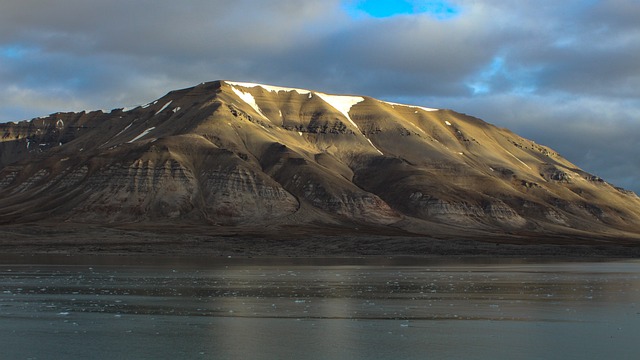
{"type": "Point", "coordinates": [38, 239]}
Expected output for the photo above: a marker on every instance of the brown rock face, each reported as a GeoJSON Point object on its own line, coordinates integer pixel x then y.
{"type": "Point", "coordinates": [226, 153]}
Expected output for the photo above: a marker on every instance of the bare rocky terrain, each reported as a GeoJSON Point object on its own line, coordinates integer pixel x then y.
{"type": "Point", "coordinates": [269, 170]}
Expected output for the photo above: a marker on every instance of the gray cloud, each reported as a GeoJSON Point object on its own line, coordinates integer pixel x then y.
{"type": "Point", "coordinates": [563, 73]}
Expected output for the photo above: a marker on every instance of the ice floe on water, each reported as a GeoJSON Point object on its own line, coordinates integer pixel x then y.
{"type": "Point", "coordinates": [408, 310]}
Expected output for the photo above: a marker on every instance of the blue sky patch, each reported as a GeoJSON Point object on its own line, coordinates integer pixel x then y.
{"type": "Point", "coordinates": [11, 52]}
{"type": "Point", "coordinates": [439, 9]}
{"type": "Point", "coordinates": [14, 52]}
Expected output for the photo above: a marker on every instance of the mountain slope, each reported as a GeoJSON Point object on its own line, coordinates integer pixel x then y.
{"type": "Point", "coordinates": [228, 153]}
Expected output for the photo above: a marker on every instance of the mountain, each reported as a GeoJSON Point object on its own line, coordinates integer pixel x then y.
{"type": "Point", "coordinates": [247, 155]}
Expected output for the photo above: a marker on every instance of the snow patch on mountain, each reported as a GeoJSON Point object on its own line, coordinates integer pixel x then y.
{"type": "Point", "coordinates": [378, 150]}
{"type": "Point", "coordinates": [125, 129]}
{"type": "Point", "coordinates": [270, 88]}
{"type": "Point", "coordinates": [149, 104]}
{"type": "Point", "coordinates": [411, 106]}
{"type": "Point", "coordinates": [249, 99]}
{"type": "Point", "coordinates": [143, 134]}
{"type": "Point", "coordinates": [515, 157]}
{"type": "Point", "coordinates": [342, 103]}
{"type": "Point", "coordinates": [164, 107]}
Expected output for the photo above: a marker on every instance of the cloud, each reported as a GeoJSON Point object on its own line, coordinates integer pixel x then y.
{"type": "Point", "coordinates": [563, 73]}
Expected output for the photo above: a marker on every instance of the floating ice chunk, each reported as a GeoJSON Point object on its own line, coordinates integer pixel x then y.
{"type": "Point", "coordinates": [164, 107]}
{"type": "Point", "coordinates": [249, 99]}
{"type": "Point", "coordinates": [143, 134]}
{"type": "Point", "coordinates": [176, 109]}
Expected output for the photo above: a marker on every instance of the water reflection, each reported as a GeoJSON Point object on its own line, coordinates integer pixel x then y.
{"type": "Point", "coordinates": [342, 308]}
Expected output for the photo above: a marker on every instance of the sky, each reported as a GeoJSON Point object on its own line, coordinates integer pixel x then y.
{"type": "Point", "coordinates": [565, 74]}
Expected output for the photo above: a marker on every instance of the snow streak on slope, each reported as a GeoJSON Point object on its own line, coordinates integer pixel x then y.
{"type": "Point", "coordinates": [378, 150]}
{"type": "Point", "coordinates": [118, 134]}
{"type": "Point", "coordinates": [164, 107]}
{"type": "Point", "coordinates": [149, 104]}
{"type": "Point", "coordinates": [345, 103]}
{"type": "Point", "coordinates": [515, 157]}
{"type": "Point", "coordinates": [342, 104]}
{"type": "Point", "coordinates": [249, 99]}
{"type": "Point", "coordinates": [411, 106]}
{"type": "Point", "coordinates": [143, 134]}
{"type": "Point", "coordinates": [123, 130]}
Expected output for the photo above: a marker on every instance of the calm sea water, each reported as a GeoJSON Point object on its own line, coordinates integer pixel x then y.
{"type": "Point", "coordinates": [176, 308]}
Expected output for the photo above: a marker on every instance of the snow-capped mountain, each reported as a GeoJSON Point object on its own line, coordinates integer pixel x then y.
{"type": "Point", "coordinates": [234, 154]}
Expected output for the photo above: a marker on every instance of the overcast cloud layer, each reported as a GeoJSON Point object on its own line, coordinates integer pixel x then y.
{"type": "Point", "coordinates": [563, 73]}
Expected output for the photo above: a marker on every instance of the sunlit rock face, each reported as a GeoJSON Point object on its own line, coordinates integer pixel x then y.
{"type": "Point", "coordinates": [229, 153]}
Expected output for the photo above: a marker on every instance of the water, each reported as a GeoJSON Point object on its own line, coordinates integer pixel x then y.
{"type": "Point", "coordinates": [177, 308]}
